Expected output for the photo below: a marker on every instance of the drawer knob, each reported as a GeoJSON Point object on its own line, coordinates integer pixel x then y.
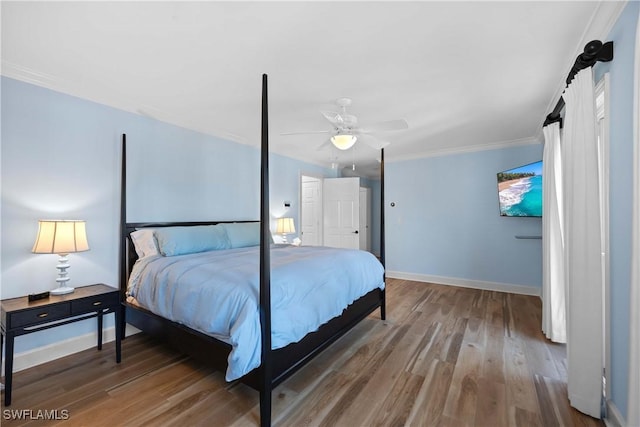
{"type": "Point", "coordinates": [43, 315]}
{"type": "Point", "coordinates": [97, 303]}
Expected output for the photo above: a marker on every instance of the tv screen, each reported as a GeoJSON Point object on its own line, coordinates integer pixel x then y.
{"type": "Point", "coordinates": [520, 190]}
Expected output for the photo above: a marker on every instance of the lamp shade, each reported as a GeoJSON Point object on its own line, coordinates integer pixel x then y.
{"type": "Point", "coordinates": [285, 225]}
{"type": "Point", "coordinates": [60, 237]}
{"type": "Point", "coordinates": [343, 141]}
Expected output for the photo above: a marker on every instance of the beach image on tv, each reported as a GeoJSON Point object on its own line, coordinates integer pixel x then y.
{"type": "Point", "coordinates": [520, 190]}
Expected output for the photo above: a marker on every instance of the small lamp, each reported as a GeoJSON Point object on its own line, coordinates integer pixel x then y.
{"type": "Point", "coordinates": [285, 226]}
{"type": "Point", "coordinates": [62, 238]}
{"type": "Point", "coordinates": [343, 141]}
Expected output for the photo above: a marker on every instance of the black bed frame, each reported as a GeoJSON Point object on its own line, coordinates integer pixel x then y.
{"type": "Point", "coordinates": [277, 365]}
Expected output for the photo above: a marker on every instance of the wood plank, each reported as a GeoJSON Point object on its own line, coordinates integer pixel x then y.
{"type": "Point", "coordinates": [520, 388]}
{"type": "Point", "coordinates": [397, 405]}
{"type": "Point", "coordinates": [378, 391]}
{"type": "Point", "coordinates": [491, 409]}
{"type": "Point", "coordinates": [493, 366]}
{"type": "Point", "coordinates": [351, 409]}
{"type": "Point", "coordinates": [462, 398]}
{"type": "Point", "coordinates": [427, 410]}
{"type": "Point", "coordinates": [523, 418]}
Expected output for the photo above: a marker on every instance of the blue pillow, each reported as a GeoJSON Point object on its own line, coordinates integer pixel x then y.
{"type": "Point", "coordinates": [187, 240]}
{"type": "Point", "coordinates": [243, 234]}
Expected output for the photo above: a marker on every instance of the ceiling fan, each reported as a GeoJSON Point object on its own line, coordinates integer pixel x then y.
{"type": "Point", "coordinates": [345, 130]}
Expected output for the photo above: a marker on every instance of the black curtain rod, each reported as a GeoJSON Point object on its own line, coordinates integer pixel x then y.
{"type": "Point", "coordinates": [594, 51]}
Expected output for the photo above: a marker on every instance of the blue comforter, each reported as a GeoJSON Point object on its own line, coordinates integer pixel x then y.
{"type": "Point", "coordinates": [217, 293]}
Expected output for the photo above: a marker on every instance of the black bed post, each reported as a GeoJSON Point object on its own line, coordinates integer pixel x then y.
{"type": "Point", "coordinates": [383, 303]}
{"type": "Point", "coordinates": [123, 224]}
{"type": "Point", "coordinates": [265, 268]}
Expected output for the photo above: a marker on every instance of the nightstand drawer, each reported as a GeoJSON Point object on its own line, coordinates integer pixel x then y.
{"type": "Point", "coordinates": [94, 303]}
{"type": "Point", "coordinates": [40, 315]}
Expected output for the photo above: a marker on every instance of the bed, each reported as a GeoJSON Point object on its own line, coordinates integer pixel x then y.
{"type": "Point", "coordinates": [255, 348]}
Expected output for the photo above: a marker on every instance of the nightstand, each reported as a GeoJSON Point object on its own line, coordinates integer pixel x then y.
{"type": "Point", "coordinates": [21, 317]}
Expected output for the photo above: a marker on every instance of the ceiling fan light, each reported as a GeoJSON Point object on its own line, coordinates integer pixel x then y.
{"type": "Point", "coordinates": [343, 141]}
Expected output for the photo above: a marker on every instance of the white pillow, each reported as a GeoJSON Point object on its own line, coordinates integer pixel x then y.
{"type": "Point", "coordinates": [145, 243]}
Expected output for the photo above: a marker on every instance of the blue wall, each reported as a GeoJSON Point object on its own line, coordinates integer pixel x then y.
{"type": "Point", "coordinates": [61, 160]}
{"type": "Point", "coordinates": [621, 191]}
{"type": "Point", "coordinates": [446, 219]}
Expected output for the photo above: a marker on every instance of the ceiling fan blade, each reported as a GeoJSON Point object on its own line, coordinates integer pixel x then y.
{"type": "Point", "coordinates": [333, 117]}
{"type": "Point", "coordinates": [306, 132]}
{"type": "Point", "coordinates": [399, 124]}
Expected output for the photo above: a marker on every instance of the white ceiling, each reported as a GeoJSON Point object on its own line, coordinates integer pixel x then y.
{"type": "Point", "coordinates": [465, 75]}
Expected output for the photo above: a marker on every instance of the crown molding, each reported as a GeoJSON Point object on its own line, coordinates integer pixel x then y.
{"type": "Point", "coordinates": [27, 75]}
{"type": "Point", "coordinates": [602, 21]}
{"type": "Point", "coordinates": [467, 149]}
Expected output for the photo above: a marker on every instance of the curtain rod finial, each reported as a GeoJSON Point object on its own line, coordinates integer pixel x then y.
{"type": "Point", "coordinates": [592, 48]}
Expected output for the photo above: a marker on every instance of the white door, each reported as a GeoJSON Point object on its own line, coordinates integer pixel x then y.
{"type": "Point", "coordinates": [365, 219]}
{"type": "Point", "coordinates": [342, 212]}
{"type": "Point", "coordinates": [310, 210]}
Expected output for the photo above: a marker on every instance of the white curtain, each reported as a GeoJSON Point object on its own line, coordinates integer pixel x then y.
{"type": "Point", "coordinates": [633, 414]}
{"type": "Point", "coordinates": [582, 237]}
{"type": "Point", "coordinates": [553, 285]}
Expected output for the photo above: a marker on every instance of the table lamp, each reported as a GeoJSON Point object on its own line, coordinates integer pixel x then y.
{"type": "Point", "coordinates": [61, 237]}
{"type": "Point", "coordinates": [285, 226]}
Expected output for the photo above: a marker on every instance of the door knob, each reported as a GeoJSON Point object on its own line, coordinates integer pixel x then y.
{"type": "Point", "coordinates": [356, 232]}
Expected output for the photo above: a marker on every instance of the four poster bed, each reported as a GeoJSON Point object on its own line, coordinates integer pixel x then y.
{"type": "Point", "coordinates": [163, 267]}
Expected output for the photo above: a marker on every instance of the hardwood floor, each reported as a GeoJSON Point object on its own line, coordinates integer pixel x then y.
{"type": "Point", "coordinates": [446, 356]}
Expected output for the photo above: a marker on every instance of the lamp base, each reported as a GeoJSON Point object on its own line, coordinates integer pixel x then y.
{"type": "Point", "coordinates": [62, 290]}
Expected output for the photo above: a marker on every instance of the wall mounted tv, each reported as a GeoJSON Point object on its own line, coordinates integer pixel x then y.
{"type": "Point", "coordinates": [520, 190]}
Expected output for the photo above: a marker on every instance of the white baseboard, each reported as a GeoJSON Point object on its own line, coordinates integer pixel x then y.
{"type": "Point", "coordinates": [467, 283]}
{"type": "Point", "coordinates": [614, 417]}
{"type": "Point", "coordinates": [57, 350]}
